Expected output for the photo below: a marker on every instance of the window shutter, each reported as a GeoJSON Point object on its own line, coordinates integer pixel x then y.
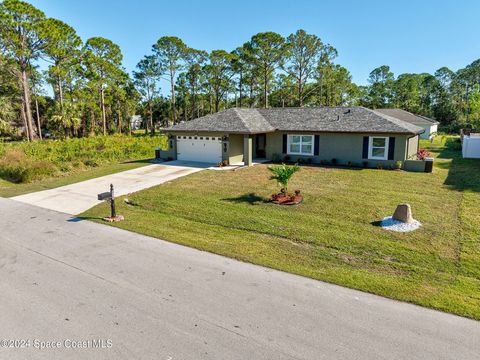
{"type": "Point", "coordinates": [391, 148]}
{"type": "Point", "coordinates": [284, 143]}
{"type": "Point", "coordinates": [316, 146]}
{"type": "Point", "coordinates": [365, 148]}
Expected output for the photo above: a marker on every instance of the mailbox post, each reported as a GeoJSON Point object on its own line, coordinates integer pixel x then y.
{"type": "Point", "coordinates": [110, 195]}
{"type": "Point", "coordinates": [112, 202]}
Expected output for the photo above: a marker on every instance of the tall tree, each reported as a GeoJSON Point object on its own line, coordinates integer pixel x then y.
{"type": "Point", "coordinates": [146, 79]}
{"type": "Point", "coordinates": [103, 59]}
{"type": "Point", "coordinates": [324, 69]}
{"type": "Point", "coordinates": [21, 29]}
{"type": "Point", "coordinates": [170, 52]}
{"type": "Point", "coordinates": [219, 74]}
{"type": "Point", "coordinates": [194, 61]}
{"type": "Point", "coordinates": [267, 50]}
{"type": "Point", "coordinates": [381, 82]}
{"type": "Point", "coordinates": [304, 53]}
{"type": "Point", "coordinates": [64, 50]}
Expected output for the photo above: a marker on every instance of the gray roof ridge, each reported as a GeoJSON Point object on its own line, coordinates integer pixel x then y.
{"type": "Point", "coordinates": [235, 109]}
{"type": "Point", "coordinates": [403, 124]}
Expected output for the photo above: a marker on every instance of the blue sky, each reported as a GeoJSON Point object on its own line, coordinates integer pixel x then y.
{"type": "Point", "coordinates": [410, 36]}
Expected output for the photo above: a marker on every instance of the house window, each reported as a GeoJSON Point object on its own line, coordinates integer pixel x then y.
{"type": "Point", "coordinates": [378, 148]}
{"type": "Point", "coordinates": [300, 144]}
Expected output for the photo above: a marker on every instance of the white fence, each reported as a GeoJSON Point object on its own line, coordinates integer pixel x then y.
{"type": "Point", "coordinates": [471, 146]}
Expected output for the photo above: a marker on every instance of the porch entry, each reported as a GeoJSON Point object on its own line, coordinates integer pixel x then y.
{"type": "Point", "coordinates": [260, 144]}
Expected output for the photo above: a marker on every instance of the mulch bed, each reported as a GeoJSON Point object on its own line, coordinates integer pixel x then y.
{"type": "Point", "coordinates": [282, 199]}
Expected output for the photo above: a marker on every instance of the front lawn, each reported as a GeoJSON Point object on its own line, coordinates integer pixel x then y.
{"type": "Point", "coordinates": [332, 235]}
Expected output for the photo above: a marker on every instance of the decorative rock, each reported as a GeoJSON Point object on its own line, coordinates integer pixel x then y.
{"type": "Point", "coordinates": [403, 213]}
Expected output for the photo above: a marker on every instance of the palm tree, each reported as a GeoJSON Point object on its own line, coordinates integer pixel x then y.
{"type": "Point", "coordinates": [282, 174]}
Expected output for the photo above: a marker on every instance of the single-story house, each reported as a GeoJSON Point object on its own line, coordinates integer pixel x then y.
{"type": "Point", "coordinates": [430, 125]}
{"type": "Point", "coordinates": [351, 134]}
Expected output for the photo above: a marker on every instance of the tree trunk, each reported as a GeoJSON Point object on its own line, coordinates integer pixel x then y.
{"type": "Point", "coordinates": [300, 95]}
{"type": "Point", "coordinates": [24, 119]}
{"type": "Point", "coordinates": [39, 127]}
{"type": "Point", "coordinates": [217, 102]}
{"type": "Point", "coordinates": [194, 101]}
{"type": "Point", "coordinates": [240, 90]}
{"type": "Point", "coordinates": [102, 106]}
{"type": "Point", "coordinates": [150, 109]}
{"type": "Point", "coordinates": [60, 93]}
{"type": "Point", "coordinates": [172, 88]}
{"type": "Point", "coordinates": [26, 103]}
{"type": "Point", "coordinates": [252, 85]}
{"type": "Point", "coordinates": [119, 125]}
{"type": "Point", "coordinates": [211, 103]}
{"type": "Point", "coordinates": [265, 89]}
{"type": "Point", "coordinates": [92, 122]}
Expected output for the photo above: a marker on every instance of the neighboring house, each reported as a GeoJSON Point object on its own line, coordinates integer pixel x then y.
{"type": "Point", "coordinates": [136, 122]}
{"type": "Point", "coordinates": [430, 125]}
{"type": "Point", "coordinates": [347, 134]}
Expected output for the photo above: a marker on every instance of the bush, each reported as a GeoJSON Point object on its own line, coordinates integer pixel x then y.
{"type": "Point", "coordinates": [17, 168]}
{"type": "Point", "coordinates": [422, 154]}
{"type": "Point", "coordinates": [29, 161]}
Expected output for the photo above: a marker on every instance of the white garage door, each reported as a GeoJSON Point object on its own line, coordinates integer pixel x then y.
{"type": "Point", "coordinates": [199, 148]}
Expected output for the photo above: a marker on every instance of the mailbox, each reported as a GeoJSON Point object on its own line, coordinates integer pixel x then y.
{"type": "Point", "coordinates": [105, 196]}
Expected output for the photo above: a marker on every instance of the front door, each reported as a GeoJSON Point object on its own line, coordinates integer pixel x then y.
{"type": "Point", "coordinates": [260, 142]}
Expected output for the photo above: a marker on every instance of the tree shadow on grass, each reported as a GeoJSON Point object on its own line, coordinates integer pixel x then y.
{"type": "Point", "coordinates": [252, 199]}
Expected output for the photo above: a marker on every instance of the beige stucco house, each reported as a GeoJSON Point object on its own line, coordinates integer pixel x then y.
{"type": "Point", "coordinates": [343, 135]}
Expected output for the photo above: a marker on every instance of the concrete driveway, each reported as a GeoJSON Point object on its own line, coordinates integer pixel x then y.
{"type": "Point", "coordinates": [64, 280]}
{"type": "Point", "coordinates": [78, 197]}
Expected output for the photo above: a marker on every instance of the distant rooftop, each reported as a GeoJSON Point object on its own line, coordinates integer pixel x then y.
{"type": "Point", "coordinates": [407, 116]}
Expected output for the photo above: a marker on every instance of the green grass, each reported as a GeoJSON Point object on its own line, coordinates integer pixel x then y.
{"type": "Point", "coordinates": [332, 235]}
{"type": "Point", "coordinates": [27, 167]}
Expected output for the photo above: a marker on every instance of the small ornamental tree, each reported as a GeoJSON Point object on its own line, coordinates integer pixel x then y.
{"type": "Point", "coordinates": [422, 154]}
{"type": "Point", "coordinates": [283, 173]}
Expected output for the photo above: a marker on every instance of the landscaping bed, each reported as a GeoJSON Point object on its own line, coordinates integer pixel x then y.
{"type": "Point", "coordinates": [333, 235]}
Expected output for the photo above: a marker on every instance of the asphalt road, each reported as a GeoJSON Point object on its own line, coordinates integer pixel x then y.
{"type": "Point", "coordinates": [65, 282]}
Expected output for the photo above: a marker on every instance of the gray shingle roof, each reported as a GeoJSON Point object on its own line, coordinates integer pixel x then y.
{"type": "Point", "coordinates": [355, 119]}
{"type": "Point", "coordinates": [236, 120]}
{"type": "Point", "coordinates": [407, 116]}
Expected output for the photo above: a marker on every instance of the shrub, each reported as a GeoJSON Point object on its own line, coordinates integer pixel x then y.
{"type": "Point", "coordinates": [334, 161]}
{"type": "Point", "coordinates": [422, 154]}
{"type": "Point", "coordinates": [282, 174]}
{"type": "Point", "coordinates": [17, 168]}
{"type": "Point", "coordinates": [40, 159]}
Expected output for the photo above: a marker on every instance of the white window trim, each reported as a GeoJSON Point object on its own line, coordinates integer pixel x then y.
{"type": "Point", "coordinates": [370, 148]}
{"type": "Point", "coordinates": [300, 153]}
